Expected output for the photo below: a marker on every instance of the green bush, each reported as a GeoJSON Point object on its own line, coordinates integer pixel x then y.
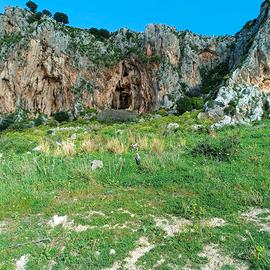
{"type": "Point", "coordinates": [221, 150]}
{"type": "Point", "coordinates": [61, 17]}
{"type": "Point", "coordinates": [184, 104]}
{"type": "Point", "coordinates": [112, 116]}
{"type": "Point", "coordinates": [35, 17]}
{"type": "Point", "coordinates": [197, 103]}
{"type": "Point", "coordinates": [61, 116]}
{"type": "Point", "coordinates": [40, 120]}
{"type": "Point", "coordinates": [163, 112]}
{"type": "Point", "coordinates": [100, 34]}
{"type": "Point", "coordinates": [231, 109]}
{"type": "Point", "coordinates": [6, 121]}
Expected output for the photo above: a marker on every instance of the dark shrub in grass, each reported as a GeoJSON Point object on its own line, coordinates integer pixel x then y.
{"type": "Point", "coordinates": [112, 116]}
{"type": "Point", "coordinates": [222, 150]}
{"type": "Point", "coordinates": [5, 122]}
{"type": "Point", "coordinates": [184, 104]}
{"type": "Point", "coordinates": [61, 117]}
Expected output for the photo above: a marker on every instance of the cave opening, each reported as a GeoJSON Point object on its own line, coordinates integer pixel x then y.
{"type": "Point", "coordinates": [122, 99]}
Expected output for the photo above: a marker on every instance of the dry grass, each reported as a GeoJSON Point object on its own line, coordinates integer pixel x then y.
{"type": "Point", "coordinates": [157, 146]}
{"type": "Point", "coordinates": [142, 141]}
{"type": "Point", "coordinates": [66, 148]}
{"type": "Point", "coordinates": [89, 146]}
{"type": "Point", "coordinates": [45, 147]}
{"type": "Point", "coordinates": [116, 146]}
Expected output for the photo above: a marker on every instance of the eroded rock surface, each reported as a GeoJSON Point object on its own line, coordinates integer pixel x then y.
{"type": "Point", "coordinates": [46, 67]}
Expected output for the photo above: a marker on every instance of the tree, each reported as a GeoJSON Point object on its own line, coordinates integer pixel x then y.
{"type": "Point", "coordinates": [47, 12]}
{"type": "Point", "coordinates": [61, 116]}
{"type": "Point", "coordinates": [61, 17]}
{"type": "Point", "coordinates": [184, 104]}
{"type": "Point", "coordinates": [32, 6]}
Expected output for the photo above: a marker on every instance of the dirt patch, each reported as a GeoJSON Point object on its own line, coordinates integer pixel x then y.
{"type": "Point", "coordinates": [216, 259]}
{"type": "Point", "coordinates": [66, 224]}
{"type": "Point", "coordinates": [130, 262]}
{"type": "Point", "coordinates": [172, 225]}
{"type": "Point", "coordinates": [260, 217]}
{"type": "Point", "coordinates": [22, 262]}
{"type": "Point", "coordinates": [213, 222]}
{"type": "Point", "coordinates": [3, 224]}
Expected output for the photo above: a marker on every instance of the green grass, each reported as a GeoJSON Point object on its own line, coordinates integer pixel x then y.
{"type": "Point", "coordinates": [171, 181]}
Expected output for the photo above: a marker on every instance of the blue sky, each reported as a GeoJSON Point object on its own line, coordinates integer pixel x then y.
{"type": "Point", "coordinates": [209, 17]}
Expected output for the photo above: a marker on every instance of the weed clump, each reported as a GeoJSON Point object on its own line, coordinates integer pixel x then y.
{"type": "Point", "coordinates": [222, 150]}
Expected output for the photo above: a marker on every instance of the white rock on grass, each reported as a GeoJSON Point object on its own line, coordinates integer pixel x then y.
{"type": "Point", "coordinates": [67, 224]}
{"type": "Point", "coordinates": [73, 137]}
{"type": "Point", "coordinates": [37, 149]}
{"type": "Point", "coordinates": [173, 225]}
{"type": "Point", "coordinates": [58, 220]}
{"type": "Point", "coordinates": [96, 164]}
{"type": "Point", "coordinates": [22, 262]}
{"type": "Point", "coordinates": [173, 127]}
{"type": "Point", "coordinates": [112, 252]}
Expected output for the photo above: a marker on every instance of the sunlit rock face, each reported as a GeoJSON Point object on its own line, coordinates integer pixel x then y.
{"type": "Point", "coordinates": [47, 67]}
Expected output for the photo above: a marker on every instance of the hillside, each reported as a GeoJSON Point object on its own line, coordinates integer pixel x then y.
{"type": "Point", "coordinates": [133, 151]}
{"type": "Point", "coordinates": [199, 199]}
{"type": "Point", "coordinates": [47, 67]}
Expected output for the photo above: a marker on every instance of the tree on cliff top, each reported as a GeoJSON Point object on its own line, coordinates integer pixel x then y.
{"type": "Point", "coordinates": [61, 17]}
{"type": "Point", "coordinates": [32, 6]}
{"type": "Point", "coordinates": [47, 12]}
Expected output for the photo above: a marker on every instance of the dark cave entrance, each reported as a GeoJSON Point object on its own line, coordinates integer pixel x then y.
{"type": "Point", "coordinates": [122, 99]}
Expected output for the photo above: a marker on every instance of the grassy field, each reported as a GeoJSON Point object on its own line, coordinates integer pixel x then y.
{"type": "Point", "coordinates": [199, 200]}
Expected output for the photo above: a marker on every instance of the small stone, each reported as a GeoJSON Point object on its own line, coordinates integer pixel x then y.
{"type": "Point", "coordinates": [135, 146]}
{"type": "Point", "coordinates": [173, 127]}
{"type": "Point", "coordinates": [112, 252]}
{"type": "Point", "coordinates": [37, 149]}
{"type": "Point", "coordinates": [96, 164]}
{"type": "Point", "coordinates": [73, 137]}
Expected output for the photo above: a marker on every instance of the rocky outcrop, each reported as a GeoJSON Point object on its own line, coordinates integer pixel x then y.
{"type": "Point", "coordinates": [47, 67]}
{"type": "Point", "coordinates": [245, 98]}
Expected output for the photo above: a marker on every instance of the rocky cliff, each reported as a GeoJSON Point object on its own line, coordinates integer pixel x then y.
{"type": "Point", "coordinates": [47, 67]}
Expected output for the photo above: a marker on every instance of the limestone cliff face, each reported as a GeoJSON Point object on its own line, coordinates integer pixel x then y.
{"type": "Point", "coordinates": [245, 96]}
{"type": "Point", "coordinates": [47, 67]}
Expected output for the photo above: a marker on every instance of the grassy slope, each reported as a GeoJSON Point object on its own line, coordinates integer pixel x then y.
{"type": "Point", "coordinates": [171, 181]}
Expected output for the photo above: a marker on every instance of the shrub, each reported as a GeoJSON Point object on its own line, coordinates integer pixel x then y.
{"type": "Point", "coordinates": [197, 103]}
{"type": "Point", "coordinates": [40, 120]}
{"type": "Point", "coordinates": [5, 122]}
{"type": "Point", "coordinates": [32, 6]}
{"type": "Point", "coordinates": [111, 116]}
{"type": "Point", "coordinates": [46, 13]}
{"type": "Point", "coordinates": [162, 112]}
{"type": "Point", "coordinates": [100, 34]}
{"type": "Point", "coordinates": [61, 116]}
{"type": "Point", "coordinates": [184, 104]}
{"type": "Point", "coordinates": [35, 17]}
{"type": "Point", "coordinates": [221, 151]}
{"type": "Point", "coordinates": [61, 17]}
{"type": "Point", "coordinates": [231, 108]}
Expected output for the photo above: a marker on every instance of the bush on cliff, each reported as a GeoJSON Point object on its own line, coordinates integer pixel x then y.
{"type": "Point", "coordinates": [61, 116]}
